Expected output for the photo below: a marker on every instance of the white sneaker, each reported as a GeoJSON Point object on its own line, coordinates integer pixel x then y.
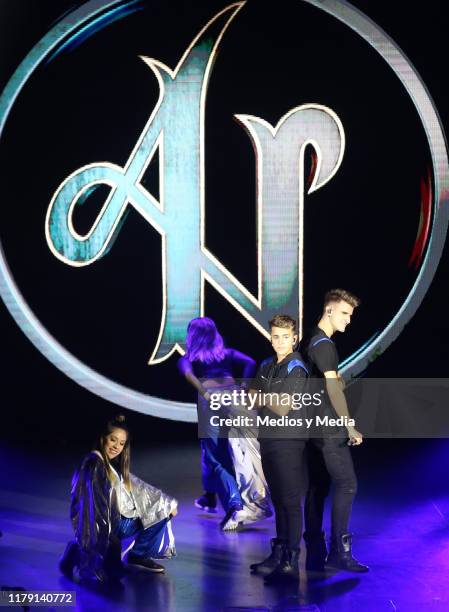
{"type": "Point", "coordinates": [239, 517]}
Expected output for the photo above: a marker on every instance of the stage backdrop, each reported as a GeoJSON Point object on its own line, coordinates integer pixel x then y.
{"type": "Point", "coordinates": [162, 161]}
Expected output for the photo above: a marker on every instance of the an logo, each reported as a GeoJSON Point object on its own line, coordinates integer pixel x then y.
{"type": "Point", "coordinates": [174, 132]}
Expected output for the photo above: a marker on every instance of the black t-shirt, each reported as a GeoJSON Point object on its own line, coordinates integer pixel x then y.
{"type": "Point", "coordinates": [320, 353]}
{"type": "Point", "coordinates": [321, 356]}
{"type": "Point", "coordinates": [286, 377]}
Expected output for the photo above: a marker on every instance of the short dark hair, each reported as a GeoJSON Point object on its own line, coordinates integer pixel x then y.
{"type": "Point", "coordinates": [341, 295]}
{"type": "Point", "coordinates": [285, 321]}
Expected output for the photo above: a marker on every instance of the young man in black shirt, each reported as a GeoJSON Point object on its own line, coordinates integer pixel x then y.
{"type": "Point", "coordinates": [278, 383]}
{"type": "Point", "coordinates": [329, 458]}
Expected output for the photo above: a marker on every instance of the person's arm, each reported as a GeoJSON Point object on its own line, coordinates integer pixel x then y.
{"type": "Point", "coordinates": [272, 401]}
{"type": "Point", "coordinates": [92, 513]}
{"type": "Point", "coordinates": [151, 503]}
{"type": "Point", "coordinates": [255, 388]}
{"type": "Point", "coordinates": [195, 382]}
{"type": "Point", "coordinates": [245, 363]}
{"type": "Point", "coordinates": [341, 381]}
{"type": "Point", "coordinates": [325, 358]}
{"type": "Point", "coordinates": [268, 400]}
{"type": "Point", "coordinates": [281, 402]}
{"type": "Point", "coordinates": [185, 368]}
{"type": "Point", "coordinates": [275, 405]}
{"type": "Point", "coordinates": [338, 401]}
{"type": "Point", "coordinates": [253, 394]}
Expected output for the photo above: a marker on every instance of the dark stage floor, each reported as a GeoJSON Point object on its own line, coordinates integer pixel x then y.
{"type": "Point", "coordinates": [401, 522]}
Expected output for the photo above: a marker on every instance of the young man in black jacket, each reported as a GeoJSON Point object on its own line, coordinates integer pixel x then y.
{"type": "Point", "coordinates": [329, 456]}
{"type": "Point", "coordinates": [278, 384]}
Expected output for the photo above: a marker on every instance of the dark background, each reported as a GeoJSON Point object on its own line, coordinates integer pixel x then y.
{"type": "Point", "coordinates": [376, 193]}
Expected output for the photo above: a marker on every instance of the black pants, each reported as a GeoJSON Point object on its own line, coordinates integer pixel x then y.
{"type": "Point", "coordinates": [329, 462]}
{"type": "Point", "coordinates": [283, 463]}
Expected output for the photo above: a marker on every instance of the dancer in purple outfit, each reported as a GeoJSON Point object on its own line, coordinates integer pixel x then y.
{"type": "Point", "coordinates": [231, 466]}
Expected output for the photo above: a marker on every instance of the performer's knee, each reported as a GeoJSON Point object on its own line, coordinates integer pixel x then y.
{"type": "Point", "coordinates": [347, 485]}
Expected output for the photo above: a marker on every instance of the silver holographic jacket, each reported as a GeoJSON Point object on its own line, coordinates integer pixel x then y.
{"type": "Point", "coordinates": [95, 508]}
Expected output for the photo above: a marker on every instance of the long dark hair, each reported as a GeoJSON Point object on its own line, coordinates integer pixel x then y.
{"type": "Point", "coordinates": [117, 422]}
{"type": "Point", "coordinates": [203, 342]}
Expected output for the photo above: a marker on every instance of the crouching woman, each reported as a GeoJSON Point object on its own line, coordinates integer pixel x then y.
{"type": "Point", "coordinates": [109, 504]}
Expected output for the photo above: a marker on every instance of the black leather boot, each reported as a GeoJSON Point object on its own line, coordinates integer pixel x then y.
{"type": "Point", "coordinates": [70, 559]}
{"type": "Point", "coordinates": [113, 566]}
{"type": "Point", "coordinates": [287, 572]}
{"type": "Point", "coordinates": [266, 566]}
{"type": "Point", "coordinates": [340, 555]}
{"type": "Point", "coordinates": [316, 551]}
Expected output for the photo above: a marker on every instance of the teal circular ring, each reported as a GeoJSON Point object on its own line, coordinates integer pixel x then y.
{"type": "Point", "coordinates": [354, 364]}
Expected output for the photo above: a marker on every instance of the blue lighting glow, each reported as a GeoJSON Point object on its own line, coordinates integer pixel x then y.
{"type": "Point", "coordinates": [95, 26]}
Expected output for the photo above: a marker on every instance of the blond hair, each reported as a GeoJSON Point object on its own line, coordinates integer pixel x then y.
{"type": "Point", "coordinates": [284, 321]}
